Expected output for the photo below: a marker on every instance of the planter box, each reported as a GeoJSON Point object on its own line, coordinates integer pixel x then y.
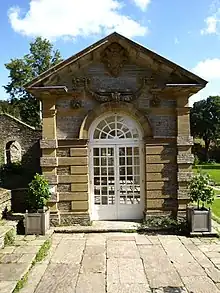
{"type": "Point", "coordinates": [199, 220]}
{"type": "Point", "coordinates": [37, 223]}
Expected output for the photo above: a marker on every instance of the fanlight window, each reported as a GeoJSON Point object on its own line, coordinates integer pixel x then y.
{"type": "Point", "coordinates": [116, 127]}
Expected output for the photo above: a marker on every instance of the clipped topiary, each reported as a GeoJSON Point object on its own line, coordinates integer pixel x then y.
{"type": "Point", "coordinates": [38, 193]}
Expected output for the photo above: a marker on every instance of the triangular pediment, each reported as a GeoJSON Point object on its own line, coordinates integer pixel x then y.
{"type": "Point", "coordinates": [115, 57]}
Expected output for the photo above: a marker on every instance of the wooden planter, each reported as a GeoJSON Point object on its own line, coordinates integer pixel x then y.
{"type": "Point", "coordinates": [199, 220]}
{"type": "Point", "coordinates": [37, 223]}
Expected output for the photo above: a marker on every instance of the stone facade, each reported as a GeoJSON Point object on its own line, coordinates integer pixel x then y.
{"type": "Point", "coordinates": [19, 143]}
{"type": "Point", "coordinates": [117, 76]}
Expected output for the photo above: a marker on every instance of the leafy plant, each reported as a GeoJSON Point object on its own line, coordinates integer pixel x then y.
{"type": "Point", "coordinates": [38, 193]}
{"type": "Point", "coordinates": [200, 191]}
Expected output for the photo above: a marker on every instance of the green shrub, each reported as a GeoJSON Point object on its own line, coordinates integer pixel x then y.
{"type": "Point", "coordinates": [200, 191]}
{"type": "Point", "coordinates": [38, 193]}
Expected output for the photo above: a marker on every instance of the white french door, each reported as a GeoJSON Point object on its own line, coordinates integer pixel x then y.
{"type": "Point", "coordinates": [116, 181]}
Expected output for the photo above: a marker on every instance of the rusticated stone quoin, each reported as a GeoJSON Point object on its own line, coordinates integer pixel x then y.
{"type": "Point", "coordinates": [184, 176]}
{"type": "Point", "coordinates": [52, 179]}
{"type": "Point", "coordinates": [184, 140]}
{"type": "Point", "coordinates": [48, 162]}
{"type": "Point", "coordinates": [48, 144]}
{"type": "Point", "coordinates": [183, 193]}
{"type": "Point", "coordinates": [185, 159]}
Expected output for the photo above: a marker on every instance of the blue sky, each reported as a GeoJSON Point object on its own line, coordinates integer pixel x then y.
{"type": "Point", "coordinates": [186, 32]}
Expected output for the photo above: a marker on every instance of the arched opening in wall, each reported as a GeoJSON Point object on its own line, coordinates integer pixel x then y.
{"type": "Point", "coordinates": [116, 168]}
{"type": "Point", "coordinates": [12, 152]}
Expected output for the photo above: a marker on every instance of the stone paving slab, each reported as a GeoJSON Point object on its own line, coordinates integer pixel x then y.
{"type": "Point", "coordinates": [128, 263]}
{"type": "Point", "coordinates": [128, 288]}
{"type": "Point", "coordinates": [7, 286]}
{"type": "Point", "coordinates": [59, 277]}
{"type": "Point", "coordinates": [13, 271]}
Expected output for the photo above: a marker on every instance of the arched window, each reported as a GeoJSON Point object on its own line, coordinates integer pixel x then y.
{"type": "Point", "coordinates": [13, 152]}
{"type": "Point", "coordinates": [116, 127]}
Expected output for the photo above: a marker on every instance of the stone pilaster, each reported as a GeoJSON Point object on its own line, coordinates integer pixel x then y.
{"type": "Point", "coordinates": [184, 157]}
{"type": "Point", "coordinates": [49, 160]}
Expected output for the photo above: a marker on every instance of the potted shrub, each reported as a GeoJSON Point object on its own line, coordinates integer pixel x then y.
{"type": "Point", "coordinates": [199, 216]}
{"type": "Point", "coordinates": [37, 217]}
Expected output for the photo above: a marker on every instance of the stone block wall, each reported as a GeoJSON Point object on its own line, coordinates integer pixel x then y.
{"type": "Point", "coordinates": [14, 130]}
{"type": "Point", "coordinates": [5, 200]}
{"type": "Point", "coordinates": [161, 177]}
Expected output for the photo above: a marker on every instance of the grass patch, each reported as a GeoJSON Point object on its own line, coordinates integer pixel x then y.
{"type": "Point", "coordinates": [212, 169]}
{"type": "Point", "coordinates": [42, 253]}
{"type": "Point", "coordinates": [9, 238]}
{"type": "Point", "coordinates": [215, 207]}
{"type": "Point", "coordinates": [21, 283]}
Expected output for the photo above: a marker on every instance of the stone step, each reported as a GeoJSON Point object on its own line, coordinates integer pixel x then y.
{"type": "Point", "coordinates": [16, 260]}
{"type": "Point", "coordinates": [7, 233]}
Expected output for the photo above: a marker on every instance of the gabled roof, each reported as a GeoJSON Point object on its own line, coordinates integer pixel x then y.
{"type": "Point", "coordinates": [38, 80]}
{"type": "Point", "coordinates": [17, 120]}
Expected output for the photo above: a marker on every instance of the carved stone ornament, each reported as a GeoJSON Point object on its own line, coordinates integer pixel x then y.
{"type": "Point", "coordinates": [75, 104]}
{"type": "Point", "coordinates": [114, 57]}
{"type": "Point", "coordinates": [116, 96]}
{"type": "Point", "coordinates": [155, 101]}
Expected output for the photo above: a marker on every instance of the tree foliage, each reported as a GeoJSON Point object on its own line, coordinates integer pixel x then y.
{"type": "Point", "coordinates": [38, 193]}
{"type": "Point", "coordinates": [205, 120]}
{"type": "Point", "coordinates": [41, 57]}
{"type": "Point", "coordinates": [200, 191]}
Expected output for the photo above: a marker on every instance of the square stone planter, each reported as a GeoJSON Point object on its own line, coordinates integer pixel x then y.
{"type": "Point", "coordinates": [199, 220]}
{"type": "Point", "coordinates": [37, 223]}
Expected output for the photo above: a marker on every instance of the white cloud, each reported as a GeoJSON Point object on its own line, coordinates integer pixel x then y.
{"type": "Point", "coordinates": [211, 25]}
{"type": "Point", "coordinates": [209, 70]}
{"type": "Point", "coordinates": [71, 18]}
{"type": "Point", "coordinates": [142, 4]}
{"type": "Point", "coordinates": [213, 20]}
{"type": "Point", "coordinates": [176, 41]}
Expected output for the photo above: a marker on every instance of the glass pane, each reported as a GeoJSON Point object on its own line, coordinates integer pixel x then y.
{"type": "Point", "coordinates": [110, 152]}
{"type": "Point", "coordinates": [103, 171]}
{"type": "Point", "coordinates": [128, 135]}
{"type": "Point", "coordinates": [122, 170]}
{"type": "Point", "coordinates": [96, 171]}
{"type": "Point", "coordinates": [129, 171]}
{"type": "Point", "coordinates": [97, 199]}
{"type": "Point", "coordinates": [103, 135]}
{"type": "Point", "coordinates": [122, 161]}
{"type": "Point", "coordinates": [136, 161]}
{"type": "Point", "coordinates": [121, 151]}
{"type": "Point", "coordinates": [111, 200]}
{"type": "Point", "coordinates": [104, 200]}
{"type": "Point", "coordinates": [136, 151]}
{"type": "Point", "coordinates": [104, 181]}
{"type": "Point", "coordinates": [103, 161]}
{"type": "Point", "coordinates": [96, 161]}
{"type": "Point", "coordinates": [103, 151]}
{"type": "Point", "coordinates": [111, 181]}
{"type": "Point", "coordinates": [111, 161]}
{"type": "Point", "coordinates": [104, 190]}
{"type": "Point", "coordinates": [110, 171]}
{"type": "Point", "coordinates": [129, 151]}
{"type": "Point", "coordinates": [129, 160]}
{"type": "Point", "coordinates": [101, 124]}
{"type": "Point", "coordinates": [96, 134]}
{"type": "Point", "coordinates": [97, 190]}
{"type": "Point", "coordinates": [96, 181]}
{"type": "Point", "coordinates": [96, 152]}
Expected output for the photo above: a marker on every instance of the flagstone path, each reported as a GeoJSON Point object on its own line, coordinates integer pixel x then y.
{"type": "Point", "coordinates": [127, 263]}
